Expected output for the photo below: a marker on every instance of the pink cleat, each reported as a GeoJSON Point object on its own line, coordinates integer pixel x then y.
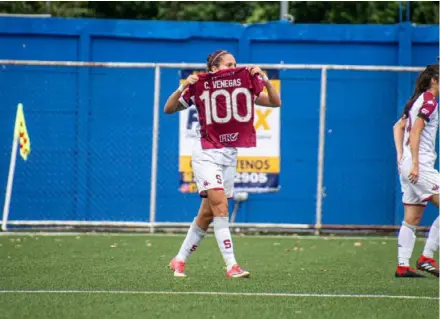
{"type": "Point", "coordinates": [179, 268]}
{"type": "Point", "coordinates": [237, 272]}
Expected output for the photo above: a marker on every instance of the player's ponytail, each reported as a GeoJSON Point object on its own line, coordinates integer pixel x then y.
{"type": "Point", "coordinates": [423, 83]}
{"type": "Point", "coordinates": [215, 58]}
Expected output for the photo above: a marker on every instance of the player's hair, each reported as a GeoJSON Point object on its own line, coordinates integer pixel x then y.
{"type": "Point", "coordinates": [423, 83]}
{"type": "Point", "coordinates": [215, 58]}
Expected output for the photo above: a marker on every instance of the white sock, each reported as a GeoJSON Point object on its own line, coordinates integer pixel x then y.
{"type": "Point", "coordinates": [224, 240]}
{"type": "Point", "coordinates": [405, 241]}
{"type": "Point", "coordinates": [193, 238]}
{"type": "Point", "coordinates": [432, 243]}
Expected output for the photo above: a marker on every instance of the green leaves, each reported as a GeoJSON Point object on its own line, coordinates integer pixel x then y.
{"type": "Point", "coordinates": [422, 12]}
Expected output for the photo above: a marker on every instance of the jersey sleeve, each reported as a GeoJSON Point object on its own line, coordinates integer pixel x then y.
{"type": "Point", "coordinates": [257, 84]}
{"type": "Point", "coordinates": [428, 107]}
{"type": "Point", "coordinates": [187, 98]}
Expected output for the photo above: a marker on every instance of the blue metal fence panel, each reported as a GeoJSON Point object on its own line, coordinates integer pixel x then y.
{"type": "Point", "coordinates": [91, 128]}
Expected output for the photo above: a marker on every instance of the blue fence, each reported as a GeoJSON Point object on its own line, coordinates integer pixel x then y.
{"type": "Point", "coordinates": [91, 128]}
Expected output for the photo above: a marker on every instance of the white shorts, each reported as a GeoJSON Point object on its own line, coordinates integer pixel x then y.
{"type": "Point", "coordinates": [427, 184]}
{"type": "Point", "coordinates": [214, 169]}
{"type": "Point", "coordinates": [209, 175]}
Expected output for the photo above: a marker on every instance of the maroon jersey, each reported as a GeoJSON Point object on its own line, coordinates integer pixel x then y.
{"type": "Point", "coordinates": [225, 104]}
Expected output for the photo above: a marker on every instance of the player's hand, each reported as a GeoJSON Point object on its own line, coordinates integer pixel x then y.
{"type": "Point", "coordinates": [253, 69]}
{"type": "Point", "coordinates": [191, 79]}
{"type": "Point", "coordinates": [414, 174]}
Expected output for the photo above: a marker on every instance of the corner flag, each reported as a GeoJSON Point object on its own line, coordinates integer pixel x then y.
{"type": "Point", "coordinates": [21, 133]}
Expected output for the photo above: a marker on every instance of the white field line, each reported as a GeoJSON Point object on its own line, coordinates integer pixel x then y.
{"type": "Point", "coordinates": [213, 293]}
{"type": "Point", "coordinates": [103, 234]}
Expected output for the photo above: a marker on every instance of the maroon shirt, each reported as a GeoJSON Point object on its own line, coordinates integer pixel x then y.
{"type": "Point", "coordinates": [225, 104]}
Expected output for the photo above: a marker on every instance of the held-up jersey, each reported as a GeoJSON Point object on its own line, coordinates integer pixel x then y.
{"type": "Point", "coordinates": [225, 105]}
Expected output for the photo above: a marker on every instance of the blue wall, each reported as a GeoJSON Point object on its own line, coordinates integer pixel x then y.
{"type": "Point", "coordinates": [91, 128]}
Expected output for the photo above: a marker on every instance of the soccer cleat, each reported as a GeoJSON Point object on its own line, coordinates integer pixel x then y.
{"type": "Point", "coordinates": [237, 272]}
{"type": "Point", "coordinates": [179, 268]}
{"type": "Point", "coordinates": [428, 264]}
{"type": "Point", "coordinates": [407, 272]}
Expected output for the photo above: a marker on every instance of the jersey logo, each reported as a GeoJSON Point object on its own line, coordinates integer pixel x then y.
{"type": "Point", "coordinates": [424, 111]}
{"type": "Point", "coordinates": [229, 137]}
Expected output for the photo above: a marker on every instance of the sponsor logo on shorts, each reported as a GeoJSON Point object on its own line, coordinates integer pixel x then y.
{"type": "Point", "coordinates": [205, 183]}
{"type": "Point", "coordinates": [435, 188]}
{"type": "Point", "coordinates": [228, 138]}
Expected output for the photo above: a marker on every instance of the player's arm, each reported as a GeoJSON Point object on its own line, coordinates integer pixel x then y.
{"type": "Point", "coordinates": [271, 98]}
{"type": "Point", "coordinates": [178, 101]}
{"type": "Point", "coordinates": [428, 107]}
{"type": "Point", "coordinates": [414, 139]}
{"type": "Point", "coordinates": [399, 133]}
{"type": "Point", "coordinates": [173, 104]}
{"type": "Point", "coordinates": [414, 143]}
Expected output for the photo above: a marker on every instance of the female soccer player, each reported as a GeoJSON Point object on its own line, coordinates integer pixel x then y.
{"type": "Point", "coordinates": [414, 137]}
{"type": "Point", "coordinates": [225, 99]}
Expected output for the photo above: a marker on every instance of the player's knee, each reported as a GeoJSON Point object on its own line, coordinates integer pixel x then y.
{"type": "Point", "coordinates": [205, 208]}
{"type": "Point", "coordinates": [413, 214]}
{"type": "Point", "coordinates": [203, 222]}
{"type": "Point", "coordinates": [413, 220]}
{"type": "Point", "coordinates": [220, 208]}
{"type": "Point", "coordinates": [204, 217]}
{"type": "Point", "coordinates": [205, 212]}
{"type": "Point", "coordinates": [218, 203]}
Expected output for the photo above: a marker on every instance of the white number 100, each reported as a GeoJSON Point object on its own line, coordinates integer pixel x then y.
{"type": "Point", "coordinates": [231, 101]}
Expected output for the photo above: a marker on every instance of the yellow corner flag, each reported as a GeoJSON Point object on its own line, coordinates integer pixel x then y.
{"type": "Point", "coordinates": [21, 133]}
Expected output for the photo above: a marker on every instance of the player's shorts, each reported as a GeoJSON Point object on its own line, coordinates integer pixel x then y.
{"type": "Point", "coordinates": [427, 184]}
{"type": "Point", "coordinates": [214, 169]}
{"type": "Point", "coordinates": [209, 175]}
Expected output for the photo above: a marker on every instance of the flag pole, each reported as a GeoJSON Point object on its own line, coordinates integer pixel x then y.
{"type": "Point", "coordinates": [12, 163]}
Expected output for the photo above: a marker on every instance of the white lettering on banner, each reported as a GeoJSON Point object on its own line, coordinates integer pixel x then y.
{"type": "Point", "coordinates": [231, 101]}
{"type": "Point", "coordinates": [247, 178]}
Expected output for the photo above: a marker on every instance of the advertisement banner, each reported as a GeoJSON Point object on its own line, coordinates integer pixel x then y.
{"type": "Point", "coordinates": [258, 168]}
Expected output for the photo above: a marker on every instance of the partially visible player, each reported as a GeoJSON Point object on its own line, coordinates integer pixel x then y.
{"type": "Point", "coordinates": [225, 99]}
{"type": "Point", "coordinates": [414, 136]}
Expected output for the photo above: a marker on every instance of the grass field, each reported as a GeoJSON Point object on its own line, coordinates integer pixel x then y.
{"type": "Point", "coordinates": [127, 276]}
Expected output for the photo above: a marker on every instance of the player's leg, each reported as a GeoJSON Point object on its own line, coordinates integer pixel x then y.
{"type": "Point", "coordinates": [427, 261]}
{"type": "Point", "coordinates": [218, 199]}
{"type": "Point", "coordinates": [204, 217]}
{"type": "Point", "coordinates": [204, 175]}
{"type": "Point", "coordinates": [219, 207]}
{"type": "Point", "coordinates": [414, 208]}
{"type": "Point", "coordinates": [429, 189]}
{"type": "Point", "coordinates": [407, 238]}
{"type": "Point", "coordinates": [195, 235]}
